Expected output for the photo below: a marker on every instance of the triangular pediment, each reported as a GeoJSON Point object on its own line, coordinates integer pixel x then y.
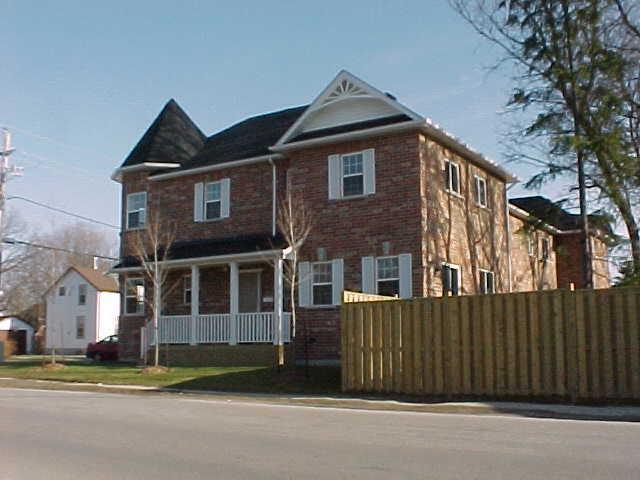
{"type": "Point", "coordinates": [347, 100]}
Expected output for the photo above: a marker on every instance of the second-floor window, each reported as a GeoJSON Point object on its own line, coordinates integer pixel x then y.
{"type": "Point", "coordinates": [322, 284]}
{"type": "Point", "coordinates": [450, 279]}
{"type": "Point", "coordinates": [211, 201]}
{"type": "Point", "coordinates": [481, 191]}
{"type": "Point", "coordinates": [352, 174]}
{"type": "Point", "coordinates": [531, 244]}
{"type": "Point", "coordinates": [82, 294]}
{"type": "Point", "coordinates": [545, 250]}
{"type": "Point", "coordinates": [136, 210]}
{"type": "Point", "coordinates": [487, 283]}
{"type": "Point", "coordinates": [134, 296]}
{"type": "Point", "coordinates": [452, 177]}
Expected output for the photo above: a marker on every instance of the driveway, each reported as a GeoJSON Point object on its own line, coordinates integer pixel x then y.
{"type": "Point", "coordinates": [61, 435]}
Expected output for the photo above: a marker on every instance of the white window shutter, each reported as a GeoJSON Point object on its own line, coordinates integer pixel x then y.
{"type": "Point", "coordinates": [404, 264]}
{"type": "Point", "coordinates": [198, 202]}
{"type": "Point", "coordinates": [369, 171]}
{"type": "Point", "coordinates": [304, 284]}
{"type": "Point", "coordinates": [335, 177]}
{"type": "Point", "coordinates": [225, 197]}
{"type": "Point", "coordinates": [337, 280]}
{"type": "Point", "coordinates": [368, 275]}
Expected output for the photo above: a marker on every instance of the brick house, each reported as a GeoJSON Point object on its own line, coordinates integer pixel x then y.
{"type": "Point", "coordinates": [400, 207]}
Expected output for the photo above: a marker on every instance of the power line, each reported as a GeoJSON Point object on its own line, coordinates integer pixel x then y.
{"type": "Point", "coordinates": [12, 241]}
{"type": "Point", "coordinates": [65, 212]}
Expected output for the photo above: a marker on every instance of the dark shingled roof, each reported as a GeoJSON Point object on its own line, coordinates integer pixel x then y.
{"type": "Point", "coordinates": [249, 138]}
{"type": "Point", "coordinates": [553, 214]}
{"type": "Point", "coordinates": [351, 127]}
{"type": "Point", "coordinates": [194, 249]}
{"type": "Point", "coordinates": [171, 138]}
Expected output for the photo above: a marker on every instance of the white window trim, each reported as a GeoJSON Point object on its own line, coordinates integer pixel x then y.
{"type": "Point", "coordinates": [455, 267]}
{"type": "Point", "coordinates": [84, 327]}
{"type": "Point", "coordinates": [448, 164]}
{"type": "Point", "coordinates": [343, 176]}
{"type": "Point", "coordinates": [531, 244]}
{"type": "Point", "coordinates": [483, 285]}
{"type": "Point", "coordinates": [478, 180]}
{"type": "Point", "coordinates": [314, 283]}
{"type": "Point", "coordinates": [124, 309]}
{"type": "Point", "coordinates": [205, 202]}
{"type": "Point", "coordinates": [377, 276]}
{"type": "Point", "coordinates": [543, 241]}
{"type": "Point", "coordinates": [86, 289]}
{"type": "Point", "coordinates": [144, 209]}
{"type": "Point", "coordinates": [185, 289]}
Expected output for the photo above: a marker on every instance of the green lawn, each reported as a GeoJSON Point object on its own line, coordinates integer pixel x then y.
{"type": "Point", "coordinates": [230, 379]}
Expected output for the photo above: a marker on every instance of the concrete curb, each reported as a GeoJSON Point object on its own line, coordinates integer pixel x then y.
{"type": "Point", "coordinates": [518, 409]}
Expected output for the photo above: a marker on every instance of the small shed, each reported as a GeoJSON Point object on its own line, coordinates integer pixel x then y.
{"type": "Point", "coordinates": [17, 336]}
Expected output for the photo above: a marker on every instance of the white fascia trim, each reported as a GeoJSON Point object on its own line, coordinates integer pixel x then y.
{"type": "Point", "coordinates": [396, 127]}
{"type": "Point", "coordinates": [219, 166]}
{"type": "Point", "coordinates": [116, 176]}
{"type": "Point", "coordinates": [213, 260]}
{"type": "Point", "coordinates": [317, 103]}
{"type": "Point", "coordinates": [434, 131]}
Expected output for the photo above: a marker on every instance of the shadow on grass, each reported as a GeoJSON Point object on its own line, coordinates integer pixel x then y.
{"type": "Point", "coordinates": [321, 380]}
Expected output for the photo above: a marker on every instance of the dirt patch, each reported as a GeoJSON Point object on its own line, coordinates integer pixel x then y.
{"type": "Point", "coordinates": [159, 370]}
{"type": "Point", "coordinates": [52, 367]}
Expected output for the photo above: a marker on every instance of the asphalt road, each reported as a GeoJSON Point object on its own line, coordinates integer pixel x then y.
{"type": "Point", "coordinates": [61, 435]}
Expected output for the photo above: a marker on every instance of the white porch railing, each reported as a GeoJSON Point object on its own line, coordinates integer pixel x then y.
{"type": "Point", "coordinates": [217, 328]}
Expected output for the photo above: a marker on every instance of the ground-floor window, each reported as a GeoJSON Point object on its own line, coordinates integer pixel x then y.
{"type": "Point", "coordinates": [450, 279]}
{"type": "Point", "coordinates": [487, 282]}
{"type": "Point", "coordinates": [322, 284]}
{"type": "Point", "coordinates": [80, 323]}
{"type": "Point", "coordinates": [388, 276]}
{"type": "Point", "coordinates": [134, 296]}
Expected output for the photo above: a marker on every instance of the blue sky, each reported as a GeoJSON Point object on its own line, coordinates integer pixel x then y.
{"type": "Point", "coordinates": [81, 81]}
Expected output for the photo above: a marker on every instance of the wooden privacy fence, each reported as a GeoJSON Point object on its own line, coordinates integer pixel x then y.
{"type": "Point", "coordinates": [555, 344]}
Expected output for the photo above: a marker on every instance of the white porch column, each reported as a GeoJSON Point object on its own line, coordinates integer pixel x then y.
{"type": "Point", "coordinates": [234, 295]}
{"type": "Point", "coordinates": [195, 302]}
{"type": "Point", "coordinates": [278, 316]}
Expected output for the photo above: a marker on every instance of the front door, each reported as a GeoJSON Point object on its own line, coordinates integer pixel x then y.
{"type": "Point", "coordinates": [249, 292]}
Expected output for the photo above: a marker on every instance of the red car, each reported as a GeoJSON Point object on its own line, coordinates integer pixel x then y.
{"type": "Point", "coordinates": [105, 349]}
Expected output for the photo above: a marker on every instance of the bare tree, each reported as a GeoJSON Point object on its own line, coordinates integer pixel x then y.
{"type": "Point", "coordinates": [151, 246]}
{"type": "Point", "coordinates": [295, 222]}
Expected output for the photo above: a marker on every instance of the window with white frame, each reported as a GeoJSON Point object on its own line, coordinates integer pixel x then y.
{"type": "Point", "coordinates": [322, 284]}
{"type": "Point", "coordinates": [186, 289]}
{"type": "Point", "coordinates": [62, 291]}
{"type": "Point", "coordinates": [136, 210]}
{"type": "Point", "coordinates": [452, 177]}
{"type": "Point", "coordinates": [134, 296]}
{"type": "Point", "coordinates": [487, 283]}
{"type": "Point", "coordinates": [213, 201]}
{"type": "Point", "coordinates": [481, 191]}
{"type": "Point", "coordinates": [388, 276]}
{"type": "Point", "coordinates": [545, 249]}
{"type": "Point", "coordinates": [450, 279]}
{"type": "Point", "coordinates": [531, 244]}
{"type": "Point", "coordinates": [82, 294]}
{"type": "Point", "coordinates": [80, 323]}
{"type": "Point", "coordinates": [352, 174]}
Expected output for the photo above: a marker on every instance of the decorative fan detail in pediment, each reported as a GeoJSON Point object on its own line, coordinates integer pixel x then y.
{"type": "Point", "coordinates": [344, 89]}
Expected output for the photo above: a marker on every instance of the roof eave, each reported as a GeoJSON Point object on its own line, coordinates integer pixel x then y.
{"type": "Point", "coordinates": [219, 166]}
{"type": "Point", "coordinates": [343, 137]}
{"type": "Point", "coordinates": [116, 176]}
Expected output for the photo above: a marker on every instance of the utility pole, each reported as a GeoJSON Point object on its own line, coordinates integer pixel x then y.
{"type": "Point", "coordinates": [6, 172]}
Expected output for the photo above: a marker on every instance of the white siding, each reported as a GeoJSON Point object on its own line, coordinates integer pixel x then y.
{"type": "Point", "coordinates": [62, 313]}
{"type": "Point", "coordinates": [108, 311]}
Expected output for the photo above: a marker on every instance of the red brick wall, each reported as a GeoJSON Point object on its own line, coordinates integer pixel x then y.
{"type": "Point", "coordinates": [531, 272]}
{"type": "Point", "coordinates": [569, 252]}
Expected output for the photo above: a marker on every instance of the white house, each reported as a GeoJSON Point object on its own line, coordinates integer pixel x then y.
{"type": "Point", "coordinates": [81, 307]}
